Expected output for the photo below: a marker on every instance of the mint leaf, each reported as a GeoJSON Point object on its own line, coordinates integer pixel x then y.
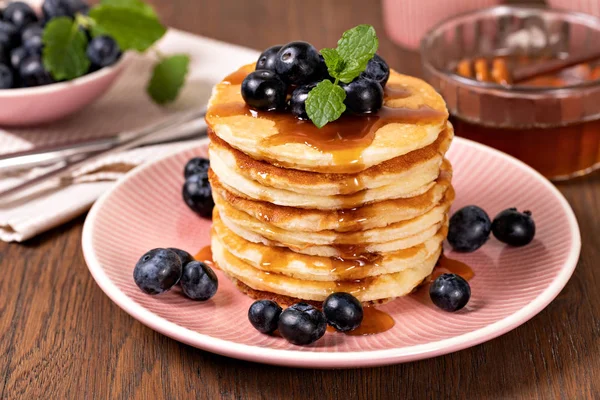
{"type": "Point", "coordinates": [132, 28]}
{"type": "Point", "coordinates": [359, 44]}
{"type": "Point", "coordinates": [133, 4]}
{"type": "Point", "coordinates": [325, 103]}
{"type": "Point", "coordinates": [64, 49]}
{"type": "Point", "coordinates": [351, 70]}
{"type": "Point", "coordinates": [333, 60]}
{"type": "Point", "coordinates": [168, 78]}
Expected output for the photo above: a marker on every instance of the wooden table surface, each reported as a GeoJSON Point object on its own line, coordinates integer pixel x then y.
{"type": "Point", "coordinates": [62, 338]}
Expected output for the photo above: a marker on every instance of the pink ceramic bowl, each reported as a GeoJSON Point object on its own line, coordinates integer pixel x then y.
{"type": "Point", "coordinates": [39, 105]}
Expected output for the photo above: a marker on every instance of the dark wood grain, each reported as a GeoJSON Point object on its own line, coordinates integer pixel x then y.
{"type": "Point", "coordinates": [62, 338]}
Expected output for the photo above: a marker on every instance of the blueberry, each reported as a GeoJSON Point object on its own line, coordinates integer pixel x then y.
{"type": "Point", "coordinates": [184, 256]}
{"type": "Point", "coordinates": [268, 57]}
{"type": "Point", "coordinates": [298, 100]}
{"type": "Point", "coordinates": [63, 8]}
{"type": "Point", "coordinates": [33, 30]}
{"type": "Point", "coordinates": [7, 80]}
{"type": "Point", "coordinates": [19, 14]}
{"type": "Point", "coordinates": [262, 89]}
{"type": "Point", "coordinates": [363, 96]}
{"type": "Point", "coordinates": [10, 34]}
{"type": "Point", "coordinates": [264, 315]}
{"type": "Point", "coordinates": [195, 166]}
{"type": "Point", "coordinates": [298, 63]}
{"type": "Point", "coordinates": [32, 72]}
{"type": "Point", "coordinates": [157, 271]}
{"type": "Point", "coordinates": [377, 70]}
{"type": "Point", "coordinates": [513, 227]}
{"type": "Point", "coordinates": [469, 229]}
{"type": "Point", "coordinates": [450, 292]}
{"type": "Point", "coordinates": [103, 51]}
{"type": "Point", "coordinates": [18, 55]}
{"type": "Point", "coordinates": [199, 281]}
{"type": "Point", "coordinates": [343, 311]}
{"type": "Point", "coordinates": [302, 324]}
{"type": "Point", "coordinates": [34, 45]}
{"type": "Point", "coordinates": [197, 194]}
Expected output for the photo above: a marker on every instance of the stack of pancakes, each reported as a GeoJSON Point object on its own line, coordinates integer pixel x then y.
{"type": "Point", "coordinates": [299, 216]}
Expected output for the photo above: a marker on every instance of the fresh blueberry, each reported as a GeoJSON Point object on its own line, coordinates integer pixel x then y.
{"type": "Point", "coordinates": [322, 73]}
{"type": "Point", "coordinates": [264, 315]}
{"type": "Point", "coordinates": [19, 14]}
{"type": "Point", "coordinates": [184, 256]}
{"type": "Point", "coordinates": [32, 72]}
{"type": "Point", "coordinates": [343, 311]}
{"type": "Point", "coordinates": [302, 324]}
{"type": "Point", "coordinates": [199, 281]}
{"type": "Point", "coordinates": [197, 194]}
{"type": "Point", "coordinates": [103, 51]}
{"type": "Point", "coordinates": [268, 57]}
{"type": "Point", "coordinates": [157, 271]}
{"type": "Point", "coordinates": [262, 89]}
{"type": "Point", "coordinates": [469, 229]}
{"type": "Point", "coordinates": [450, 292]}
{"type": "Point", "coordinates": [17, 56]}
{"type": "Point", "coordinates": [63, 8]}
{"type": "Point", "coordinates": [513, 227]}
{"type": "Point", "coordinates": [10, 34]}
{"type": "Point", "coordinates": [34, 45]}
{"type": "Point", "coordinates": [298, 63]}
{"type": "Point", "coordinates": [363, 96]}
{"type": "Point", "coordinates": [298, 100]}
{"type": "Point", "coordinates": [196, 165]}
{"type": "Point", "coordinates": [33, 30]}
{"type": "Point", "coordinates": [377, 70]}
{"type": "Point", "coordinates": [4, 53]}
{"type": "Point", "coordinates": [7, 80]}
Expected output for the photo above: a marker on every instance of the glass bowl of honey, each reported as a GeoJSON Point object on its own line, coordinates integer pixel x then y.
{"type": "Point", "coordinates": [479, 62]}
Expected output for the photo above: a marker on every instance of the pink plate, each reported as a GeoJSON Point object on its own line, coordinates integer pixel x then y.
{"type": "Point", "coordinates": [511, 285]}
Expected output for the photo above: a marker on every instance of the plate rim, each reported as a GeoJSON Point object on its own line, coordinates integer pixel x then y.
{"type": "Point", "coordinates": [355, 359]}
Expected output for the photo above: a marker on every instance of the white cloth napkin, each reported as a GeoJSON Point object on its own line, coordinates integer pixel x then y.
{"type": "Point", "coordinates": [125, 107]}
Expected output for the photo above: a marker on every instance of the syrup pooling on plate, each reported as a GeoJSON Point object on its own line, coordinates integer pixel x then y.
{"type": "Point", "coordinates": [447, 265]}
{"type": "Point", "coordinates": [205, 256]}
{"type": "Point", "coordinates": [345, 139]}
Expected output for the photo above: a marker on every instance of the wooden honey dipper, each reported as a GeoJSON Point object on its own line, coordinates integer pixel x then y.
{"type": "Point", "coordinates": [500, 72]}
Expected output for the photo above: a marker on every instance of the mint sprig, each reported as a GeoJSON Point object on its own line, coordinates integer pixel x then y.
{"type": "Point", "coordinates": [133, 24]}
{"type": "Point", "coordinates": [344, 63]}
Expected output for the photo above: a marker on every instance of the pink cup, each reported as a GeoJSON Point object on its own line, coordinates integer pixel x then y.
{"type": "Point", "coordinates": [407, 21]}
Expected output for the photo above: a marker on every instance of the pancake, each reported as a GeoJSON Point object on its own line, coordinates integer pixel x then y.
{"type": "Point", "coordinates": [369, 289]}
{"type": "Point", "coordinates": [422, 164]}
{"type": "Point", "coordinates": [371, 216]}
{"type": "Point", "coordinates": [350, 144]}
{"type": "Point", "coordinates": [336, 250]}
{"type": "Point", "coordinates": [281, 260]}
{"type": "Point", "coordinates": [295, 238]}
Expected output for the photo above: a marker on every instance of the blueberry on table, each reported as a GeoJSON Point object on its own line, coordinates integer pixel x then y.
{"type": "Point", "coordinates": [103, 51]}
{"type": "Point", "coordinates": [32, 72]}
{"type": "Point", "coordinates": [264, 315]}
{"type": "Point", "coordinates": [377, 70]}
{"type": "Point", "coordinates": [184, 256]}
{"type": "Point", "coordinates": [157, 271]}
{"type": "Point", "coordinates": [196, 165]}
{"type": "Point", "coordinates": [469, 229]}
{"type": "Point", "coordinates": [513, 227]}
{"type": "Point", "coordinates": [298, 63]}
{"type": "Point", "coordinates": [363, 96]}
{"type": "Point", "coordinates": [302, 324]}
{"type": "Point", "coordinates": [19, 14]}
{"type": "Point", "coordinates": [450, 292]}
{"type": "Point", "coordinates": [264, 90]}
{"type": "Point", "coordinates": [7, 80]}
{"type": "Point", "coordinates": [197, 194]}
{"type": "Point", "coordinates": [343, 311]}
{"type": "Point", "coordinates": [199, 281]}
{"type": "Point", "coordinates": [298, 100]}
{"type": "Point", "coordinates": [268, 57]}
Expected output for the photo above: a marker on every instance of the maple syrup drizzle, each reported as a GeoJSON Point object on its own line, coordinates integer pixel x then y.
{"type": "Point", "coordinates": [374, 321]}
{"type": "Point", "coordinates": [345, 139]}
{"type": "Point", "coordinates": [450, 266]}
{"type": "Point", "coordinates": [205, 255]}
